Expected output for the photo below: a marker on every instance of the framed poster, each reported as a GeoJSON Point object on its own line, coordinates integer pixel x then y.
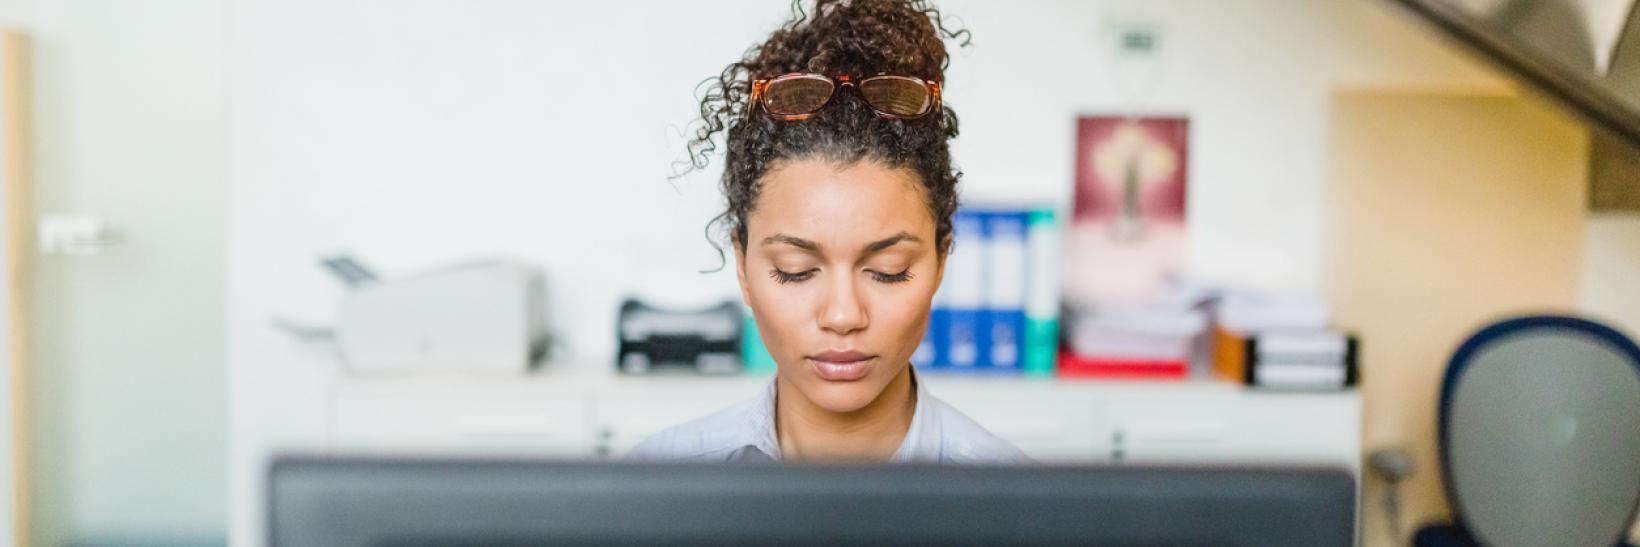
{"type": "Point", "coordinates": [1126, 238]}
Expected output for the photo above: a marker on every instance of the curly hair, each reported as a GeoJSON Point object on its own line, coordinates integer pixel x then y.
{"type": "Point", "coordinates": [858, 38]}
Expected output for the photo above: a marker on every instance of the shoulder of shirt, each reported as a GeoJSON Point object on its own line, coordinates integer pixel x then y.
{"type": "Point", "coordinates": [964, 441]}
{"type": "Point", "coordinates": [712, 437]}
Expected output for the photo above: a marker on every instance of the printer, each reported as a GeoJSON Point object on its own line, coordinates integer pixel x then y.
{"type": "Point", "coordinates": [478, 317]}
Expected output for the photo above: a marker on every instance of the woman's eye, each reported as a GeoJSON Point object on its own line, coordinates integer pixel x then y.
{"type": "Point", "coordinates": [783, 277]}
{"type": "Point", "coordinates": [892, 278]}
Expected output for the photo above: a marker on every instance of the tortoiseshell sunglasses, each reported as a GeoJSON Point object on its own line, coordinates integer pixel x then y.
{"type": "Point", "coordinates": [798, 96]}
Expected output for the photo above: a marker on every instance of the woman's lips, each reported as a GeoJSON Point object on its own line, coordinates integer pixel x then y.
{"type": "Point", "coordinates": [841, 366]}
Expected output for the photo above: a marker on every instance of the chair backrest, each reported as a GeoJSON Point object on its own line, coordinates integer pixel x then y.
{"type": "Point", "coordinates": [1540, 433]}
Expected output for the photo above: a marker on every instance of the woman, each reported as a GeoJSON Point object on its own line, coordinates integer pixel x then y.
{"type": "Point", "coordinates": [840, 193]}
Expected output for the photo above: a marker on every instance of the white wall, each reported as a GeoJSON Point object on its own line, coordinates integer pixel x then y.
{"type": "Point", "coordinates": [129, 399]}
{"type": "Point", "coordinates": [14, 14]}
{"type": "Point", "coordinates": [419, 132]}
{"type": "Point", "coordinates": [1611, 268]}
{"type": "Point", "coordinates": [10, 381]}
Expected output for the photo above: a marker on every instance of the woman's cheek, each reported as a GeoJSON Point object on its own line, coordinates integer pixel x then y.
{"type": "Point", "coordinates": [781, 312]}
{"type": "Point", "coordinates": [896, 308]}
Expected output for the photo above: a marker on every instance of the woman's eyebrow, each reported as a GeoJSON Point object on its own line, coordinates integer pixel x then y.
{"type": "Point", "coordinates": [793, 241]}
{"type": "Point", "coordinates": [891, 241]}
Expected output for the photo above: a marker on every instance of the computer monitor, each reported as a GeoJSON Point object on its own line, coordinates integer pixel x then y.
{"type": "Point", "coordinates": [383, 502]}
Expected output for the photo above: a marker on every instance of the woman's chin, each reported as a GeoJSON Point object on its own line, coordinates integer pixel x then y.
{"type": "Point", "coordinates": [842, 397]}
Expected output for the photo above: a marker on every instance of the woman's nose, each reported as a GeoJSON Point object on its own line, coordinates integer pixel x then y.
{"type": "Point", "coordinates": [843, 312]}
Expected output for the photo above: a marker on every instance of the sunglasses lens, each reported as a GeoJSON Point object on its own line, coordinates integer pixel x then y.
{"type": "Point", "coordinates": [797, 95]}
{"type": "Point", "coordinates": [897, 95]}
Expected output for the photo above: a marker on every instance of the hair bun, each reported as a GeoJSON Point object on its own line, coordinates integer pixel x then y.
{"type": "Point", "coordinates": [859, 37]}
{"type": "Point", "coordinates": [856, 38]}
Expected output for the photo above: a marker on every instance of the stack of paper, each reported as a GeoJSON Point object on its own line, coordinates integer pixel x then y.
{"type": "Point", "coordinates": [1280, 342]}
{"type": "Point", "coordinates": [1158, 338]}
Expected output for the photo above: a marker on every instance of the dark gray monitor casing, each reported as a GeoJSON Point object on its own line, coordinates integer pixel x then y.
{"type": "Point", "coordinates": [376, 502]}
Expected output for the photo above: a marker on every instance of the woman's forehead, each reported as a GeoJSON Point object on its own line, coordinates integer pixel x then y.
{"type": "Point", "coordinates": [819, 201]}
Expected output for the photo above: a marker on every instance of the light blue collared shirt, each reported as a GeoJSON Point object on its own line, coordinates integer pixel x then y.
{"type": "Point", "coordinates": [745, 432]}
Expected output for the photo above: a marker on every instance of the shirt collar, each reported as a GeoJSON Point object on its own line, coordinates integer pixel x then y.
{"type": "Point", "coordinates": [922, 439]}
{"type": "Point", "coordinates": [761, 423]}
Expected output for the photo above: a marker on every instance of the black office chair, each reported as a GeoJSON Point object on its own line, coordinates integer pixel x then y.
{"type": "Point", "coordinates": [1540, 436]}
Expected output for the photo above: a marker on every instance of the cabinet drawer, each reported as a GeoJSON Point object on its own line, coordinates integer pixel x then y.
{"type": "Point", "coordinates": [1050, 427]}
{"type": "Point", "coordinates": [1242, 427]}
{"type": "Point", "coordinates": [1300, 428]}
{"type": "Point", "coordinates": [625, 420]}
{"type": "Point", "coordinates": [462, 424]}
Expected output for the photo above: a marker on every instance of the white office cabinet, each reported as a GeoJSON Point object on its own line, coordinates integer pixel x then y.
{"type": "Point", "coordinates": [438, 423]}
{"type": "Point", "coordinates": [459, 415]}
{"type": "Point", "coordinates": [1229, 424]}
{"type": "Point", "coordinates": [604, 416]}
{"type": "Point", "coordinates": [1049, 422]}
{"type": "Point", "coordinates": [629, 410]}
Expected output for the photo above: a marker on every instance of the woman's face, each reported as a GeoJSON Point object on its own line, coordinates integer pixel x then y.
{"type": "Point", "coordinates": [839, 267]}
